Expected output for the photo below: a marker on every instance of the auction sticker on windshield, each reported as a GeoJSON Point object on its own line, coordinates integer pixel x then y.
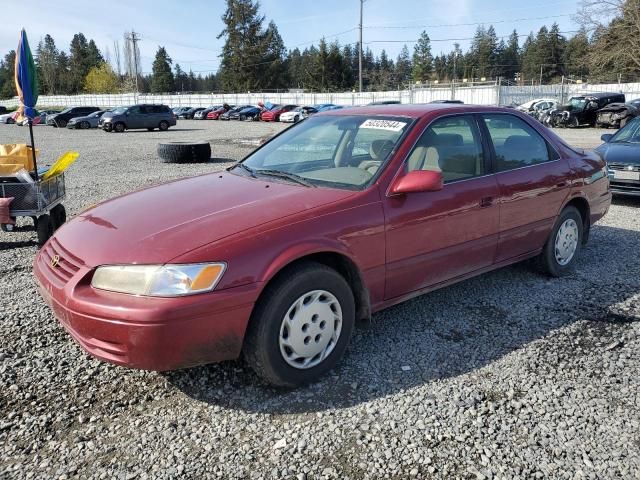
{"type": "Point", "coordinates": [391, 125]}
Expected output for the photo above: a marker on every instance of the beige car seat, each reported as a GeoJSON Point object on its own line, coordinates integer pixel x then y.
{"type": "Point", "coordinates": [378, 150]}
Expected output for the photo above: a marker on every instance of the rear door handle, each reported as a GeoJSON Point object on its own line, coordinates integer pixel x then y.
{"type": "Point", "coordinates": [486, 202]}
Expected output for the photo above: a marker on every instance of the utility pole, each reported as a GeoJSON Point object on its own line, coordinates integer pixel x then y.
{"type": "Point", "coordinates": [360, 49]}
{"type": "Point", "coordinates": [134, 38]}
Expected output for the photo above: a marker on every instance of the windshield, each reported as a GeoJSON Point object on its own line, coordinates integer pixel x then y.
{"type": "Point", "coordinates": [577, 103]}
{"type": "Point", "coordinates": [630, 133]}
{"type": "Point", "coordinates": [119, 110]}
{"type": "Point", "coordinates": [333, 151]}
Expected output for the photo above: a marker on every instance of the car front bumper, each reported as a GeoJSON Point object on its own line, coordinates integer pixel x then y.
{"type": "Point", "coordinates": [148, 333]}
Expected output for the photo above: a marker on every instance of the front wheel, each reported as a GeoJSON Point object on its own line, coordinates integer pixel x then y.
{"type": "Point", "coordinates": [559, 254]}
{"type": "Point", "coordinates": [119, 127]}
{"type": "Point", "coordinates": [163, 126]}
{"type": "Point", "coordinates": [301, 326]}
{"type": "Point", "coordinates": [243, 118]}
{"type": "Point", "coordinates": [85, 125]}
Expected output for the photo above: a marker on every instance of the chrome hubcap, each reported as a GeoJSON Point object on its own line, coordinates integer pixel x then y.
{"type": "Point", "coordinates": [310, 329]}
{"type": "Point", "coordinates": [566, 241]}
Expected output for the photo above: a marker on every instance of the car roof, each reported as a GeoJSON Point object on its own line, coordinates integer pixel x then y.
{"type": "Point", "coordinates": [415, 110]}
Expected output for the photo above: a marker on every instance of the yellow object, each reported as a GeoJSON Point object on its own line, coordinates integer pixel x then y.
{"type": "Point", "coordinates": [61, 164]}
{"type": "Point", "coordinates": [14, 157]}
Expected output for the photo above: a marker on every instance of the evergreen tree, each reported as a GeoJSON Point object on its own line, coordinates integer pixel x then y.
{"type": "Point", "coordinates": [403, 67]}
{"type": "Point", "coordinates": [422, 59]}
{"type": "Point", "coordinates": [47, 64]}
{"type": "Point", "coordinates": [576, 54]}
{"type": "Point", "coordinates": [274, 68]}
{"type": "Point", "coordinates": [181, 81]}
{"type": "Point", "coordinates": [7, 68]}
{"type": "Point", "coordinates": [161, 76]}
{"type": "Point", "coordinates": [244, 46]}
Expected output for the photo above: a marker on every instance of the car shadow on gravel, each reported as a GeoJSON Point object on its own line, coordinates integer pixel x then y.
{"type": "Point", "coordinates": [446, 333]}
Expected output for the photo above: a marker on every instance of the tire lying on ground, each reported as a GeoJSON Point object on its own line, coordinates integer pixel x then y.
{"type": "Point", "coordinates": [182, 152]}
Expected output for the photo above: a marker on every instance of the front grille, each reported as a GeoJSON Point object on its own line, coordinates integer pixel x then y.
{"type": "Point", "coordinates": [624, 167]}
{"type": "Point", "coordinates": [64, 269]}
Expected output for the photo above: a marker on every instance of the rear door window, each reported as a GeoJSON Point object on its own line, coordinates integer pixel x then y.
{"type": "Point", "coordinates": [515, 142]}
{"type": "Point", "coordinates": [452, 146]}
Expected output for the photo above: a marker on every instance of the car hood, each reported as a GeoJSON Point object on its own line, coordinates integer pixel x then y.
{"type": "Point", "coordinates": [160, 223]}
{"type": "Point", "coordinates": [620, 153]}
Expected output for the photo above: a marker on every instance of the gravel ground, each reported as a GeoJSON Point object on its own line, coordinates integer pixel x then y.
{"type": "Point", "coordinates": [509, 375]}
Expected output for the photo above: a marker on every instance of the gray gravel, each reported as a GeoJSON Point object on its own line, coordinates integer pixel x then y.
{"type": "Point", "coordinates": [509, 375]}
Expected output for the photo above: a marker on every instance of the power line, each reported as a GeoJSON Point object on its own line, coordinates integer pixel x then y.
{"type": "Point", "coordinates": [457, 39]}
{"type": "Point", "coordinates": [408, 27]}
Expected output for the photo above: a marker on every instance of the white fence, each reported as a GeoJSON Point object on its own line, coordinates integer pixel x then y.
{"type": "Point", "coordinates": [476, 94]}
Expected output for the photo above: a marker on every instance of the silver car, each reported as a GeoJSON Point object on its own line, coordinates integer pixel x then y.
{"type": "Point", "coordinates": [90, 121]}
{"type": "Point", "coordinates": [138, 116]}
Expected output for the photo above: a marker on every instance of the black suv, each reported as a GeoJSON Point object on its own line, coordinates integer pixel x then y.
{"type": "Point", "coordinates": [583, 109]}
{"type": "Point", "coordinates": [61, 119]}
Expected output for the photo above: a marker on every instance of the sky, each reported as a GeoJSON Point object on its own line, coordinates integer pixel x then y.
{"type": "Point", "coordinates": [188, 28]}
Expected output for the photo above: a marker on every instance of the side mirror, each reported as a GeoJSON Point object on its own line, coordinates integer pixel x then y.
{"type": "Point", "coordinates": [606, 137]}
{"type": "Point", "coordinates": [417, 181]}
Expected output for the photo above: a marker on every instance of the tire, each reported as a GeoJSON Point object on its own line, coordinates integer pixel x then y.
{"type": "Point", "coordinates": [182, 152]}
{"type": "Point", "coordinates": [61, 123]}
{"type": "Point", "coordinates": [548, 261]}
{"type": "Point", "coordinates": [44, 228]}
{"type": "Point", "coordinates": [263, 347]}
{"type": "Point", "coordinates": [118, 127]}
{"type": "Point", "coordinates": [242, 118]}
{"type": "Point", "coordinates": [58, 215]}
{"type": "Point", "coordinates": [163, 126]}
{"type": "Point", "coordinates": [85, 125]}
{"type": "Point", "coordinates": [107, 128]}
{"type": "Point", "coordinates": [575, 123]}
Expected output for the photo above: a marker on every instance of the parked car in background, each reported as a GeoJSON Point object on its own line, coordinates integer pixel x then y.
{"type": "Point", "coordinates": [37, 120]}
{"type": "Point", "coordinates": [90, 121]}
{"type": "Point", "coordinates": [3, 110]}
{"type": "Point", "coordinates": [189, 113]}
{"type": "Point", "coordinates": [248, 113]}
{"type": "Point", "coordinates": [136, 117]}
{"type": "Point", "coordinates": [61, 119]}
{"type": "Point", "coordinates": [583, 109]}
{"type": "Point", "coordinates": [616, 115]}
{"type": "Point", "coordinates": [202, 114]}
{"type": "Point", "coordinates": [8, 118]}
{"type": "Point", "coordinates": [392, 202]}
{"type": "Point", "coordinates": [218, 112]}
{"type": "Point", "coordinates": [621, 151]}
{"type": "Point", "coordinates": [527, 107]}
{"type": "Point", "coordinates": [542, 111]}
{"type": "Point", "coordinates": [458, 102]}
{"type": "Point", "coordinates": [323, 107]}
{"type": "Point", "coordinates": [233, 113]}
{"type": "Point", "coordinates": [274, 113]}
{"type": "Point", "coordinates": [177, 111]}
{"type": "Point", "coordinates": [385, 102]}
{"type": "Point", "coordinates": [297, 114]}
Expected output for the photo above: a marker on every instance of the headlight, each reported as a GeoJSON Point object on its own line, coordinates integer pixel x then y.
{"type": "Point", "coordinates": [159, 280]}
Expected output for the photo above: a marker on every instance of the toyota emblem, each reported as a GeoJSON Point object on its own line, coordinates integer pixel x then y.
{"type": "Point", "coordinates": [55, 260]}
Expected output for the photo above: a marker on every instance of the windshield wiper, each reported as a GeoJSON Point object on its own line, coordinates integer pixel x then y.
{"type": "Point", "coordinates": [289, 176]}
{"type": "Point", "coordinates": [246, 168]}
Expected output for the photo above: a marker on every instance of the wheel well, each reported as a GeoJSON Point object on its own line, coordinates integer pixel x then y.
{"type": "Point", "coordinates": [583, 207]}
{"type": "Point", "coordinates": [345, 267]}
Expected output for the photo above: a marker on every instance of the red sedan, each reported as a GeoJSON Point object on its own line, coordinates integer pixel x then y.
{"type": "Point", "coordinates": [215, 113]}
{"type": "Point", "coordinates": [338, 217]}
{"type": "Point", "coordinates": [273, 115]}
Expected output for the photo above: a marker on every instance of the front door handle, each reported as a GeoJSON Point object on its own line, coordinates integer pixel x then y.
{"type": "Point", "coordinates": [486, 202]}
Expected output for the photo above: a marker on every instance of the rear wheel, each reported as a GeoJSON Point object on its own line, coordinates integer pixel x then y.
{"type": "Point", "coordinates": [58, 215]}
{"type": "Point", "coordinates": [559, 254]}
{"type": "Point", "coordinates": [119, 127]}
{"type": "Point", "coordinates": [44, 228]}
{"type": "Point", "coordinates": [301, 325]}
{"type": "Point", "coordinates": [243, 118]}
{"type": "Point", "coordinates": [163, 126]}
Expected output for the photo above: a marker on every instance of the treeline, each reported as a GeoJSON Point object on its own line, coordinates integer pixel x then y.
{"type": "Point", "coordinates": [255, 58]}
